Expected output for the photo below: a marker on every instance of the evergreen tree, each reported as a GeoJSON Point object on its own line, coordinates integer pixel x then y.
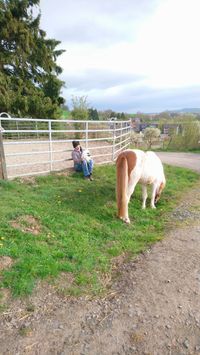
{"type": "Point", "coordinates": [29, 83]}
{"type": "Point", "coordinates": [123, 116]}
{"type": "Point", "coordinates": [93, 114]}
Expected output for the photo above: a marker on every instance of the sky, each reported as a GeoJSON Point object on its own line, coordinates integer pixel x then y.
{"type": "Point", "coordinates": [127, 55]}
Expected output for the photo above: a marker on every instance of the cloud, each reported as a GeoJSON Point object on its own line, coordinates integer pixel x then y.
{"type": "Point", "coordinates": [95, 79]}
{"type": "Point", "coordinates": [128, 55]}
{"type": "Point", "coordinates": [90, 21]}
{"type": "Point", "coordinates": [144, 99]}
{"type": "Point", "coordinates": [91, 31]}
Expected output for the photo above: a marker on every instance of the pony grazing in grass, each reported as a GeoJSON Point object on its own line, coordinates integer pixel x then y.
{"type": "Point", "coordinates": [135, 166]}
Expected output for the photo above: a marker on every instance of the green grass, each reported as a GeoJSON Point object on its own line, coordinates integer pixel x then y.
{"type": "Point", "coordinates": [79, 232]}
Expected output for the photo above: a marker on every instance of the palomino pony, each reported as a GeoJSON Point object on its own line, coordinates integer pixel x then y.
{"type": "Point", "coordinates": [135, 166]}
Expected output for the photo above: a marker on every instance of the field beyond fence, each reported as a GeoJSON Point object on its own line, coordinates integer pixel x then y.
{"type": "Point", "coordinates": [39, 146]}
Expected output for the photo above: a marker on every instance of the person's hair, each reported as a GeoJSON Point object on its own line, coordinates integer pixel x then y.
{"type": "Point", "coordinates": [75, 143]}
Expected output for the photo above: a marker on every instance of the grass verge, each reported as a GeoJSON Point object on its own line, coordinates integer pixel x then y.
{"type": "Point", "coordinates": [77, 229]}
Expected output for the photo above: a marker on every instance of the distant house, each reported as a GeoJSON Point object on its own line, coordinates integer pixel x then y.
{"type": "Point", "coordinates": [139, 126]}
{"type": "Point", "coordinates": [143, 126]}
{"type": "Point", "coordinates": [169, 127]}
{"type": "Point", "coordinates": [113, 119]}
{"type": "Point", "coordinates": [134, 123]}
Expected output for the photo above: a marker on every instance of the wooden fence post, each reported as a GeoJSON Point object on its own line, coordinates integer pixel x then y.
{"type": "Point", "coordinates": [3, 172]}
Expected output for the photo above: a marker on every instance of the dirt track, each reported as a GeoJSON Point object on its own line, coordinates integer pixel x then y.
{"type": "Point", "coordinates": [187, 160]}
{"type": "Point", "coordinates": [153, 308]}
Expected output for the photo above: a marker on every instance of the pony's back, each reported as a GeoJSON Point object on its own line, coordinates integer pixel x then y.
{"type": "Point", "coordinates": [152, 169]}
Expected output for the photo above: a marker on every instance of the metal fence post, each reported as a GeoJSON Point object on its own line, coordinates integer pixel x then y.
{"type": "Point", "coordinates": [86, 135]}
{"type": "Point", "coordinates": [17, 126]}
{"type": "Point", "coordinates": [113, 147]}
{"type": "Point", "coordinates": [50, 146]}
{"type": "Point", "coordinates": [130, 131]}
{"type": "Point", "coordinates": [121, 136]}
{"type": "Point", "coordinates": [3, 172]}
{"type": "Point", "coordinates": [36, 127]}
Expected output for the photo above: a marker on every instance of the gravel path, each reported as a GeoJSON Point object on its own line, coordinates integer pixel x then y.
{"type": "Point", "coordinates": [151, 308]}
{"type": "Point", "coordinates": [186, 160]}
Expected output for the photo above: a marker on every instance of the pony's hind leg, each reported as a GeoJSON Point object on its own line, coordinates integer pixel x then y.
{"type": "Point", "coordinates": [144, 196]}
{"type": "Point", "coordinates": [154, 188]}
{"type": "Point", "coordinates": [131, 188]}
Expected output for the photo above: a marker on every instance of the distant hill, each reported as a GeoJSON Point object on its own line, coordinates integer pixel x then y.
{"type": "Point", "coordinates": [187, 110]}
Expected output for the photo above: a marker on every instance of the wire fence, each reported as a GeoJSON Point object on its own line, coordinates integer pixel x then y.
{"type": "Point", "coordinates": [40, 146]}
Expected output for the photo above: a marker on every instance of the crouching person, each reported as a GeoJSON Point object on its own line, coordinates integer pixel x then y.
{"type": "Point", "coordinates": [82, 161]}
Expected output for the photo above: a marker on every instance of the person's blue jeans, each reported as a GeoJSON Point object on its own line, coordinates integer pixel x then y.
{"type": "Point", "coordinates": [85, 166]}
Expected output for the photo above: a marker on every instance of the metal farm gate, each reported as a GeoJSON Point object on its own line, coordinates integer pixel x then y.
{"type": "Point", "coordinates": [39, 146]}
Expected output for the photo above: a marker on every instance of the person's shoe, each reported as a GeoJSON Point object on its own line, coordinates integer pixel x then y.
{"type": "Point", "coordinates": [87, 177]}
{"type": "Point", "coordinates": [91, 178]}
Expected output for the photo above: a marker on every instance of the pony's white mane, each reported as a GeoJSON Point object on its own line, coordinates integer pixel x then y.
{"type": "Point", "coordinates": [135, 166]}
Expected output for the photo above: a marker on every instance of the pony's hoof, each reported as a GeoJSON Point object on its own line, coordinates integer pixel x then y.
{"type": "Point", "coordinates": [125, 220]}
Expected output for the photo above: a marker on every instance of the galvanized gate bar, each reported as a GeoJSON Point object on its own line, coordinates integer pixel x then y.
{"type": "Point", "coordinates": [35, 144]}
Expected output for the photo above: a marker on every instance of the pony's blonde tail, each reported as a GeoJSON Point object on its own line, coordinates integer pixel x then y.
{"type": "Point", "coordinates": [122, 185]}
{"type": "Point", "coordinates": [125, 163]}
